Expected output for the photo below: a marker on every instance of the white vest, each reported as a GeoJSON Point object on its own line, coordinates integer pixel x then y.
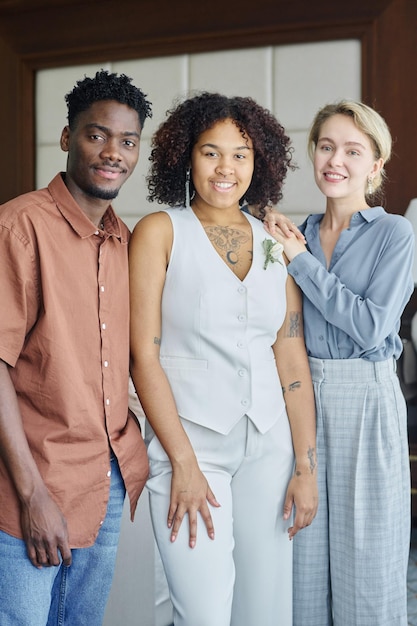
{"type": "Point", "coordinates": [217, 330]}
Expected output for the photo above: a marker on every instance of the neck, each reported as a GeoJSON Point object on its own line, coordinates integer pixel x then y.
{"type": "Point", "coordinates": [94, 208]}
{"type": "Point", "coordinates": [339, 212]}
{"type": "Point", "coordinates": [217, 215]}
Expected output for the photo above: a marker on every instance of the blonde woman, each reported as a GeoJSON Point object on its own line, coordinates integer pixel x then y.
{"type": "Point", "coordinates": [350, 566]}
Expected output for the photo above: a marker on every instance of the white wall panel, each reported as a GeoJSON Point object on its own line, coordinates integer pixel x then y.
{"type": "Point", "coordinates": [234, 73]}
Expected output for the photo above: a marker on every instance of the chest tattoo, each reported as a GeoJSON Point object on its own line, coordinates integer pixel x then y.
{"type": "Point", "coordinates": [230, 243]}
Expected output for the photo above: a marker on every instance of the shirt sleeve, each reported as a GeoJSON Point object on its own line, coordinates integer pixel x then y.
{"type": "Point", "coordinates": [19, 292]}
{"type": "Point", "coordinates": [370, 317]}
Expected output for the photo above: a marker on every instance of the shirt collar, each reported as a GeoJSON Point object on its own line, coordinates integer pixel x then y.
{"type": "Point", "coordinates": [76, 217]}
{"type": "Point", "coordinates": [369, 215]}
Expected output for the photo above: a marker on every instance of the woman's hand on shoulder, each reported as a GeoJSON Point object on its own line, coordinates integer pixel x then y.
{"type": "Point", "coordinates": [274, 219]}
{"type": "Point", "coordinates": [293, 245]}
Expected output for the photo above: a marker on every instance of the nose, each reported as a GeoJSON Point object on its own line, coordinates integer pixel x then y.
{"type": "Point", "coordinates": [224, 168]}
{"type": "Point", "coordinates": [336, 157]}
{"type": "Point", "coordinates": [111, 151]}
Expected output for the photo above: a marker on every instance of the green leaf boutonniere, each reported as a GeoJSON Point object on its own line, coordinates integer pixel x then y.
{"type": "Point", "coordinates": [273, 252]}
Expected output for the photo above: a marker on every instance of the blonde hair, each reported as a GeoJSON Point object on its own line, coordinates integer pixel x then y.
{"type": "Point", "coordinates": [368, 121]}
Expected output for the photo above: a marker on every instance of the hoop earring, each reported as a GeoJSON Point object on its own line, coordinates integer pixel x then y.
{"type": "Point", "coordinates": [187, 187]}
{"type": "Point", "coordinates": [370, 187]}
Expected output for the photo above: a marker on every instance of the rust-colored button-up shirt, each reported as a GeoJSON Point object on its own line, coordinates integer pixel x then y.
{"type": "Point", "coordinates": [64, 330]}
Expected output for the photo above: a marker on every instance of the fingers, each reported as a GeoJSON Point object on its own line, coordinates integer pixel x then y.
{"type": "Point", "coordinates": [302, 519]}
{"type": "Point", "coordinates": [211, 498]}
{"type": "Point", "coordinates": [275, 221]}
{"type": "Point", "coordinates": [176, 518]}
{"type": "Point", "coordinates": [304, 511]}
{"type": "Point", "coordinates": [66, 554]}
{"type": "Point", "coordinates": [288, 507]}
{"type": "Point", "coordinates": [48, 555]}
{"type": "Point", "coordinates": [298, 525]}
{"type": "Point", "coordinates": [192, 524]}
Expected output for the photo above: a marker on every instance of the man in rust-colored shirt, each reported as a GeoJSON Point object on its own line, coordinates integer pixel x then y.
{"type": "Point", "coordinates": [68, 445]}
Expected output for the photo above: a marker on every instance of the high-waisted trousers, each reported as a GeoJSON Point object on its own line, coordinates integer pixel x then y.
{"type": "Point", "coordinates": [350, 565]}
{"type": "Point", "coordinates": [244, 576]}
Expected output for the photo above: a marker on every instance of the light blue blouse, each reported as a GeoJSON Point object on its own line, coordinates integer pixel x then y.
{"type": "Point", "coordinates": [352, 309]}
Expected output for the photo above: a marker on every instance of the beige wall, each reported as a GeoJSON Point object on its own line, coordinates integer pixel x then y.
{"type": "Point", "coordinates": [293, 82]}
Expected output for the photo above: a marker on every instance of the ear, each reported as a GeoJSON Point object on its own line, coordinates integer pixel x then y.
{"type": "Point", "coordinates": [65, 139]}
{"type": "Point", "coordinates": [377, 167]}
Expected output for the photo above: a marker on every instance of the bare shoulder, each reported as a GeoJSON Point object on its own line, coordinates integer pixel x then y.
{"type": "Point", "coordinates": [152, 228]}
{"type": "Point", "coordinates": [153, 221]}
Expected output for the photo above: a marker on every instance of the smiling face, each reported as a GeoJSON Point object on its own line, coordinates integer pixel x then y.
{"type": "Point", "coordinates": [222, 163]}
{"type": "Point", "coordinates": [344, 159]}
{"type": "Point", "coordinates": [103, 149]}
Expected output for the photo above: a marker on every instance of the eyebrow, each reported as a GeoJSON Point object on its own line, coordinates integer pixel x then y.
{"type": "Point", "coordinates": [105, 129]}
{"type": "Point", "coordinates": [212, 145]}
{"type": "Point", "coordinates": [348, 143]}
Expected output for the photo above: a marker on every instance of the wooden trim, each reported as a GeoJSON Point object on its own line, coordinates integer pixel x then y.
{"type": "Point", "coordinates": [53, 33]}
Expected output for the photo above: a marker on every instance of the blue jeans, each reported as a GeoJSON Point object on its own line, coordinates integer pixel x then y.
{"type": "Point", "coordinates": [62, 596]}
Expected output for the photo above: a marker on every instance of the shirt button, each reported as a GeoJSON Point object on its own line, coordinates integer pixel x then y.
{"type": "Point", "coordinates": [106, 364]}
{"type": "Point", "coordinates": [240, 344]}
{"type": "Point", "coordinates": [102, 522]}
{"type": "Point", "coordinates": [96, 233]}
{"type": "Point", "coordinates": [241, 372]}
{"type": "Point", "coordinates": [241, 318]}
{"type": "Point", "coordinates": [102, 288]}
{"type": "Point", "coordinates": [321, 337]}
{"type": "Point", "coordinates": [245, 402]}
{"type": "Point", "coordinates": [107, 401]}
{"type": "Point", "coordinates": [241, 290]}
{"type": "Point", "coordinates": [109, 474]}
{"type": "Point", "coordinates": [103, 326]}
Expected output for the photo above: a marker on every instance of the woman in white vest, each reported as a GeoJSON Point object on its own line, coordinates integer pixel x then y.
{"type": "Point", "coordinates": [220, 367]}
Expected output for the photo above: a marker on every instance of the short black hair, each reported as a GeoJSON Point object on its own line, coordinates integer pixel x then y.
{"type": "Point", "coordinates": [106, 86]}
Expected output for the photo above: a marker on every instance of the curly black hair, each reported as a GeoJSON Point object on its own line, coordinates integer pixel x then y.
{"type": "Point", "coordinates": [174, 140]}
{"type": "Point", "coordinates": [106, 86]}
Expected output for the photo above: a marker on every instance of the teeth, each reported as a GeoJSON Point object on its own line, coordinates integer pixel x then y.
{"type": "Point", "coordinates": [224, 185]}
{"type": "Point", "coordinates": [335, 176]}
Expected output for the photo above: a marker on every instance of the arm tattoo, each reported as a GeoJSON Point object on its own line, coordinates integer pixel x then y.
{"type": "Point", "coordinates": [295, 324]}
{"type": "Point", "coordinates": [310, 454]}
{"type": "Point", "coordinates": [157, 340]}
{"type": "Point", "coordinates": [292, 386]}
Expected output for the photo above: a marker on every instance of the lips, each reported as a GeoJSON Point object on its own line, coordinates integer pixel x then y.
{"type": "Point", "coordinates": [109, 174]}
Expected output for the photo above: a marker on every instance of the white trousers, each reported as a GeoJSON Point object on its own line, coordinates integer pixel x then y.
{"type": "Point", "coordinates": [244, 576]}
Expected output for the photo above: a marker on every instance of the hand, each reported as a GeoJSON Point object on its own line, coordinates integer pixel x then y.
{"type": "Point", "coordinates": [190, 493]}
{"type": "Point", "coordinates": [292, 244]}
{"type": "Point", "coordinates": [45, 532]}
{"type": "Point", "coordinates": [273, 219]}
{"type": "Point", "coordinates": [303, 493]}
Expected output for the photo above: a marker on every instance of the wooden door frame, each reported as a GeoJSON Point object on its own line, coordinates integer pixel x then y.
{"type": "Point", "coordinates": [57, 33]}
